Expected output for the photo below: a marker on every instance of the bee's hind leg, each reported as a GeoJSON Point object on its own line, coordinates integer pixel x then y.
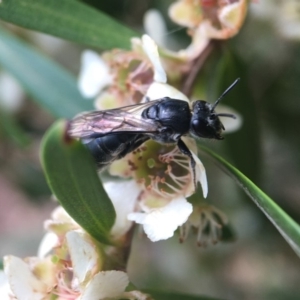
{"type": "Point", "coordinates": [186, 151]}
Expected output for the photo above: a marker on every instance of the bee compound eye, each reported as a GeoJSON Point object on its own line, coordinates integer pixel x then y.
{"type": "Point", "coordinates": [195, 124]}
{"type": "Point", "coordinates": [200, 128]}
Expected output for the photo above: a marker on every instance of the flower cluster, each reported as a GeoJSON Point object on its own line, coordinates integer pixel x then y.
{"type": "Point", "coordinates": [70, 265]}
{"type": "Point", "coordinates": [163, 174]}
{"type": "Point", "coordinates": [156, 179]}
{"type": "Point", "coordinates": [205, 19]}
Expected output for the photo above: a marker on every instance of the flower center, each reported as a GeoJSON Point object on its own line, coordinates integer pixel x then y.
{"type": "Point", "coordinates": [161, 168]}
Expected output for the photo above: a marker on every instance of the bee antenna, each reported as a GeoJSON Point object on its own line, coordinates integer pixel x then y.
{"type": "Point", "coordinates": [224, 93]}
{"type": "Point", "coordinates": [226, 115]}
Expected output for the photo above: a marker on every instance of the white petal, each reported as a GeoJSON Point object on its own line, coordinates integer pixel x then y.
{"type": "Point", "coordinates": [109, 284]}
{"type": "Point", "coordinates": [231, 125]}
{"type": "Point", "coordinates": [200, 170]}
{"type": "Point", "coordinates": [94, 74]}
{"type": "Point", "coordinates": [60, 215]}
{"type": "Point", "coordinates": [199, 43]}
{"type": "Point", "coordinates": [201, 175]}
{"type": "Point", "coordinates": [230, 15]}
{"type": "Point", "coordinates": [155, 26]}
{"type": "Point", "coordinates": [60, 222]}
{"type": "Point", "coordinates": [83, 254]}
{"type": "Point", "coordinates": [160, 223]}
{"type": "Point", "coordinates": [22, 282]}
{"type": "Point", "coordinates": [5, 290]}
{"type": "Point", "coordinates": [150, 48]}
{"type": "Point", "coordinates": [158, 90]}
{"type": "Point", "coordinates": [49, 241]}
{"type": "Point", "coordinates": [184, 14]}
{"type": "Point", "coordinates": [11, 93]}
{"type": "Point", "coordinates": [123, 196]}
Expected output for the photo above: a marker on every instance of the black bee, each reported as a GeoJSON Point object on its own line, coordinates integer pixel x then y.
{"type": "Point", "coordinates": [111, 134]}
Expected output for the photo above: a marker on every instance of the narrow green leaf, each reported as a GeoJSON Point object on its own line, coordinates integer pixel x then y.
{"type": "Point", "coordinates": [49, 84]}
{"type": "Point", "coordinates": [71, 174]}
{"type": "Point", "coordinates": [287, 227]}
{"type": "Point", "coordinates": [71, 20]}
{"type": "Point", "coordinates": [162, 295]}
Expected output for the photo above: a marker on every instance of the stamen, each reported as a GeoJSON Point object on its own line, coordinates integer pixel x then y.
{"type": "Point", "coordinates": [184, 231]}
{"type": "Point", "coordinates": [209, 228]}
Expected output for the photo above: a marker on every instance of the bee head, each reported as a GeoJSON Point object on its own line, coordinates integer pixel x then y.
{"type": "Point", "coordinates": [205, 121]}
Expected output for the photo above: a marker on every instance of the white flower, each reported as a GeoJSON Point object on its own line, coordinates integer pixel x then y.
{"type": "Point", "coordinates": [221, 19]}
{"type": "Point", "coordinates": [11, 93]}
{"type": "Point", "coordinates": [104, 285]}
{"type": "Point", "coordinates": [155, 27]}
{"type": "Point", "coordinates": [169, 209]}
{"type": "Point", "coordinates": [215, 20]}
{"type": "Point", "coordinates": [160, 223]}
{"type": "Point", "coordinates": [5, 290]}
{"type": "Point", "coordinates": [160, 217]}
{"type": "Point", "coordinates": [123, 195]}
{"type": "Point", "coordinates": [94, 74]}
{"type": "Point", "coordinates": [150, 49]}
{"type": "Point", "coordinates": [74, 271]}
{"type": "Point", "coordinates": [85, 257]}
{"type": "Point", "coordinates": [49, 241]}
{"type": "Point", "coordinates": [111, 285]}
{"type": "Point", "coordinates": [22, 281]}
{"type": "Point", "coordinates": [157, 89]}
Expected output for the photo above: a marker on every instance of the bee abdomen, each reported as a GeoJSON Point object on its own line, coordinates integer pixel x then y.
{"type": "Point", "coordinates": [109, 148]}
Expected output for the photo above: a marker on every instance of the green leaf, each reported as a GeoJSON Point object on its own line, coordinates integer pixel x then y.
{"type": "Point", "coordinates": [71, 20]}
{"type": "Point", "coordinates": [162, 295]}
{"type": "Point", "coordinates": [72, 176]}
{"type": "Point", "coordinates": [49, 84]}
{"type": "Point", "coordinates": [287, 227]}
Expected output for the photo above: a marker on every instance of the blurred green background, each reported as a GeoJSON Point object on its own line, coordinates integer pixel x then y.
{"type": "Point", "coordinates": [259, 264]}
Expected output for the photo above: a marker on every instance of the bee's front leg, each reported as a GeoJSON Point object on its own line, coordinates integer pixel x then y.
{"type": "Point", "coordinates": [186, 151]}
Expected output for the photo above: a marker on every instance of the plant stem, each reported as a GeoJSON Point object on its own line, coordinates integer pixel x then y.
{"type": "Point", "coordinates": [197, 65]}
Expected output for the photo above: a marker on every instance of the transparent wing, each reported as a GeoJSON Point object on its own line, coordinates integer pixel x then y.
{"type": "Point", "coordinates": [125, 119]}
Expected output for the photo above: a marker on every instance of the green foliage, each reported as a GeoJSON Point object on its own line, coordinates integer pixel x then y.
{"type": "Point", "coordinates": [71, 20]}
{"type": "Point", "coordinates": [71, 174]}
{"type": "Point", "coordinates": [287, 227]}
{"type": "Point", "coordinates": [269, 88]}
{"type": "Point", "coordinates": [48, 83]}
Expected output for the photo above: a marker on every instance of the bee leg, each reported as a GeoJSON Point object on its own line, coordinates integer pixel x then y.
{"type": "Point", "coordinates": [186, 151]}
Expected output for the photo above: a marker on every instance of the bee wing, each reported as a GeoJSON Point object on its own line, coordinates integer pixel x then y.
{"type": "Point", "coordinates": [125, 119]}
